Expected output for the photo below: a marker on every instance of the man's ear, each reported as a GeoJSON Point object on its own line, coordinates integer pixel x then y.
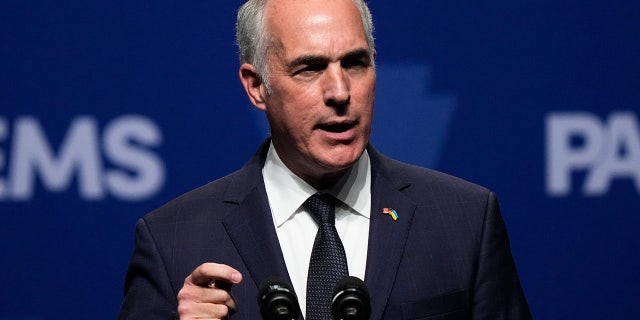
{"type": "Point", "coordinates": [253, 85]}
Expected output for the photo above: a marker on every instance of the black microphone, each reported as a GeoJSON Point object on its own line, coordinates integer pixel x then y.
{"type": "Point", "coordinates": [277, 301]}
{"type": "Point", "coordinates": [351, 300]}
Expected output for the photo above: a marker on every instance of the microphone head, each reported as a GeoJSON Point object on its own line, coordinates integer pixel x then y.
{"type": "Point", "coordinates": [351, 300]}
{"type": "Point", "coordinates": [277, 300]}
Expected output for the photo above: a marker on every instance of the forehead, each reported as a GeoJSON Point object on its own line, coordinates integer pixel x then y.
{"type": "Point", "coordinates": [315, 26]}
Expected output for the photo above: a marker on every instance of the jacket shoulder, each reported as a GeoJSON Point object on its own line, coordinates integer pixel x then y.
{"type": "Point", "coordinates": [212, 200]}
{"type": "Point", "coordinates": [207, 199]}
{"type": "Point", "coordinates": [416, 181]}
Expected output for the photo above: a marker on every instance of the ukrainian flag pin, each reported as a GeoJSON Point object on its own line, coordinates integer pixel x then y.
{"type": "Point", "coordinates": [391, 212]}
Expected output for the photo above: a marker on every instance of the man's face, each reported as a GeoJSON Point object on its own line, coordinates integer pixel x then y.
{"type": "Point", "coordinates": [322, 86]}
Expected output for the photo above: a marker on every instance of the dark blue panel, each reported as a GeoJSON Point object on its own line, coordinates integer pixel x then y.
{"type": "Point", "coordinates": [92, 90]}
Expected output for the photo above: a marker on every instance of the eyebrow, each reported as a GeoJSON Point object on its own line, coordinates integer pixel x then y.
{"type": "Point", "coordinates": [357, 54]}
{"type": "Point", "coordinates": [313, 59]}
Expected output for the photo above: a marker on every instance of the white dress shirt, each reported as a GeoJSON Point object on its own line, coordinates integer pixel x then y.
{"type": "Point", "coordinates": [296, 228]}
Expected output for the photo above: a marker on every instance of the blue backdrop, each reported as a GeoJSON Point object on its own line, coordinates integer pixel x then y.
{"type": "Point", "coordinates": [110, 108]}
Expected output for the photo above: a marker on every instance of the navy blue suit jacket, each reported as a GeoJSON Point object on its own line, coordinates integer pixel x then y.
{"type": "Point", "coordinates": [446, 257]}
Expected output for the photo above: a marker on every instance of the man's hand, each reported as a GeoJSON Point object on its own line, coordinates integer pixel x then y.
{"type": "Point", "coordinates": [206, 293]}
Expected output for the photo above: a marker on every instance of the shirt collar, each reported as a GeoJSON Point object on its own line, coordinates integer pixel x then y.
{"type": "Point", "coordinates": [287, 192]}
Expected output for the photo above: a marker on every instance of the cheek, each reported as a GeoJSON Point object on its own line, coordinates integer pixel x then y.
{"type": "Point", "coordinates": [299, 113]}
{"type": "Point", "coordinates": [291, 120]}
{"type": "Point", "coordinates": [364, 88]}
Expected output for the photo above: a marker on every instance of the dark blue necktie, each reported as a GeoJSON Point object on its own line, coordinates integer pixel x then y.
{"type": "Point", "coordinates": [328, 263]}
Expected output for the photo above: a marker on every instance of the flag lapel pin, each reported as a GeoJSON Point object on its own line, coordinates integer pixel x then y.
{"type": "Point", "coordinates": [391, 212]}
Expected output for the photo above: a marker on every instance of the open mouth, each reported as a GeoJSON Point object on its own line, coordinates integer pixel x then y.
{"type": "Point", "coordinates": [337, 127]}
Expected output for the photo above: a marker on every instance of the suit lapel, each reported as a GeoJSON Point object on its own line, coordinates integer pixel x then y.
{"type": "Point", "coordinates": [249, 224]}
{"type": "Point", "coordinates": [387, 238]}
{"type": "Point", "coordinates": [252, 232]}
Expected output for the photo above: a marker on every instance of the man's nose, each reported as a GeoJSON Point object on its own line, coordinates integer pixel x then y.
{"type": "Point", "coordinates": [336, 86]}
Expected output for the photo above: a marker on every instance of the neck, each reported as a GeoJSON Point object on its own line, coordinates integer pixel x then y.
{"type": "Point", "coordinates": [325, 181]}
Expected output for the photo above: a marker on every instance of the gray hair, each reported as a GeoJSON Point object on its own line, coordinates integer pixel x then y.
{"type": "Point", "coordinates": [253, 39]}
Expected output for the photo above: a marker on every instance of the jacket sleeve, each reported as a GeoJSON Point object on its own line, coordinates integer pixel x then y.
{"type": "Point", "coordinates": [148, 293]}
{"type": "Point", "coordinates": [497, 292]}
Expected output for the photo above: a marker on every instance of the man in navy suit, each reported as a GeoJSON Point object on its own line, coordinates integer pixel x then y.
{"type": "Point", "coordinates": [428, 245]}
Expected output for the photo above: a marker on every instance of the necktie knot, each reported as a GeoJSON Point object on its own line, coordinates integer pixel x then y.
{"type": "Point", "coordinates": [322, 207]}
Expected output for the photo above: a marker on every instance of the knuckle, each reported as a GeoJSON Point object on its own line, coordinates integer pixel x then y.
{"type": "Point", "coordinates": [184, 294]}
{"type": "Point", "coordinates": [182, 309]}
{"type": "Point", "coordinates": [199, 269]}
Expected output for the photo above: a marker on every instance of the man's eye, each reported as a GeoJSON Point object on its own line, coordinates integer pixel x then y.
{"type": "Point", "coordinates": [309, 70]}
{"type": "Point", "coordinates": [355, 64]}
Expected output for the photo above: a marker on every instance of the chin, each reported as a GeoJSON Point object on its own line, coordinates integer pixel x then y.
{"type": "Point", "coordinates": [342, 157]}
